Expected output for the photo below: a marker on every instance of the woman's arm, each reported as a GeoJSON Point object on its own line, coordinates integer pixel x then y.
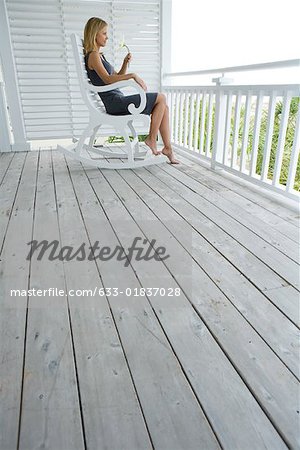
{"type": "Point", "coordinates": [96, 64]}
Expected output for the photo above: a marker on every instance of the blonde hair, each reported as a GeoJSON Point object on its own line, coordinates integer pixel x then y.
{"type": "Point", "coordinates": [93, 25]}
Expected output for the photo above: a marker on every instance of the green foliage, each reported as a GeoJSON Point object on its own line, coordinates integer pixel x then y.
{"type": "Point", "coordinates": [287, 146]}
{"type": "Point", "coordinates": [186, 116]}
{"type": "Point", "coordinates": [120, 139]}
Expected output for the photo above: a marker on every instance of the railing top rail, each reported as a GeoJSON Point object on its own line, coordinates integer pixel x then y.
{"type": "Point", "coordinates": [252, 67]}
{"type": "Point", "coordinates": [293, 88]}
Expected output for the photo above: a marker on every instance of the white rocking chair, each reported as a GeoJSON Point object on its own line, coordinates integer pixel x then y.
{"type": "Point", "coordinates": [134, 155]}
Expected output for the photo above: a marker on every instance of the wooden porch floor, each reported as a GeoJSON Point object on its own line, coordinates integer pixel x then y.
{"type": "Point", "coordinates": [214, 367]}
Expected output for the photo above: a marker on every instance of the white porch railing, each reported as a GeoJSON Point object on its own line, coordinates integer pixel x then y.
{"type": "Point", "coordinates": [251, 131]}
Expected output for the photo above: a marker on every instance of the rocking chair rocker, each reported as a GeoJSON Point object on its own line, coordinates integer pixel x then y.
{"type": "Point", "coordinates": [134, 156]}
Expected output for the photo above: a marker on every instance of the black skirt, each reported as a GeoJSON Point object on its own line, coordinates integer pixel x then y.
{"type": "Point", "coordinates": [117, 105]}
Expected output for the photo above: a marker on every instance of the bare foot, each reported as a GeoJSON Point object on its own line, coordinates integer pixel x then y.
{"type": "Point", "coordinates": [169, 153]}
{"type": "Point", "coordinates": [152, 144]}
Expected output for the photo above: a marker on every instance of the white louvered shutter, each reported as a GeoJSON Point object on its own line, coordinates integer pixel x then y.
{"type": "Point", "coordinates": [50, 99]}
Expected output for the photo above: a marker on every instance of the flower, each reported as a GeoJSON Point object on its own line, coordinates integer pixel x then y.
{"type": "Point", "coordinates": [122, 44]}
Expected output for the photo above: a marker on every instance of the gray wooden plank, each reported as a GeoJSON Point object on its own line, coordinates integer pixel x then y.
{"type": "Point", "coordinates": [111, 412]}
{"type": "Point", "coordinates": [257, 271]}
{"type": "Point", "coordinates": [5, 161]}
{"type": "Point", "coordinates": [203, 361]}
{"type": "Point", "coordinates": [258, 365]}
{"type": "Point", "coordinates": [255, 225]}
{"type": "Point", "coordinates": [263, 215]}
{"type": "Point", "coordinates": [288, 300]}
{"type": "Point", "coordinates": [281, 264]}
{"type": "Point", "coordinates": [8, 191]}
{"type": "Point", "coordinates": [220, 181]}
{"type": "Point", "coordinates": [171, 410]}
{"type": "Point", "coordinates": [269, 283]}
{"type": "Point", "coordinates": [14, 273]}
{"type": "Point", "coordinates": [281, 335]}
{"type": "Point", "coordinates": [256, 204]}
{"type": "Point", "coordinates": [50, 405]}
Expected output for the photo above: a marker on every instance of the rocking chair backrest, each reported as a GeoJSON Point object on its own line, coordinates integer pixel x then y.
{"type": "Point", "coordinates": [91, 98]}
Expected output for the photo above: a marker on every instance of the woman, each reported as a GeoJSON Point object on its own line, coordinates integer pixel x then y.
{"type": "Point", "coordinates": [101, 72]}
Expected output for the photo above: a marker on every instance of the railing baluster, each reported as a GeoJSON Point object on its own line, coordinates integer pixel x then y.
{"type": "Point", "coordinates": [236, 129]}
{"type": "Point", "coordinates": [256, 133]}
{"type": "Point", "coordinates": [192, 108]}
{"type": "Point", "coordinates": [202, 126]}
{"type": "Point", "coordinates": [172, 116]}
{"type": "Point", "coordinates": [281, 139]}
{"type": "Point", "coordinates": [245, 132]}
{"type": "Point", "coordinates": [269, 135]}
{"type": "Point", "coordinates": [219, 127]}
{"type": "Point", "coordinates": [294, 155]}
{"type": "Point", "coordinates": [177, 105]}
{"type": "Point", "coordinates": [227, 128]}
{"type": "Point", "coordinates": [182, 96]}
{"type": "Point", "coordinates": [196, 124]}
{"type": "Point", "coordinates": [186, 117]}
{"type": "Point", "coordinates": [209, 124]}
{"type": "Point", "coordinates": [167, 95]}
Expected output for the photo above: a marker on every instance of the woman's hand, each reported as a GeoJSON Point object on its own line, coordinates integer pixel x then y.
{"type": "Point", "coordinates": [127, 58]}
{"type": "Point", "coordinates": [140, 82]}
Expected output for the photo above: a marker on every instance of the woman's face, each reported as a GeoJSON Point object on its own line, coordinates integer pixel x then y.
{"type": "Point", "coordinates": [102, 37]}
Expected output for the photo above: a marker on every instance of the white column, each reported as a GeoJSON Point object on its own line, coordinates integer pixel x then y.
{"type": "Point", "coordinates": [165, 37]}
{"type": "Point", "coordinates": [220, 119]}
{"type": "Point", "coordinates": [5, 144]}
{"type": "Point", "coordinates": [11, 85]}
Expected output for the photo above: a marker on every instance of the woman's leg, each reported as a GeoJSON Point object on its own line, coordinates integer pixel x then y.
{"type": "Point", "coordinates": [165, 128]}
{"type": "Point", "coordinates": [156, 119]}
{"type": "Point", "coordinates": [160, 121]}
{"type": "Point", "coordinates": [165, 135]}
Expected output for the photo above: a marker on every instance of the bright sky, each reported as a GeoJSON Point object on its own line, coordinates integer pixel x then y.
{"type": "Point", "coordinates": [223, 33]}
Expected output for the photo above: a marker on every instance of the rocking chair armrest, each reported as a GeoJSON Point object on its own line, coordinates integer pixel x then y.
{"type": "Point", "coordinates": [119, 84]}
